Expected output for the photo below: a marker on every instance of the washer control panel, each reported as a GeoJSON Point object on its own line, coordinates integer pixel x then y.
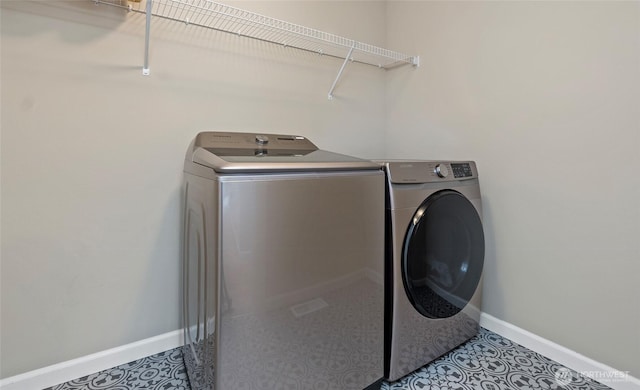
{"type": "Point", "coordinates": [228, 142]}
{"type": "Point", "coordinates": [262, 139]}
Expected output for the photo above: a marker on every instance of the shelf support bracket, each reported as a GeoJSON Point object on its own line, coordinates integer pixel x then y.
{"type": "Point", "coordinates": [145, 68]}
{"type": "Point", "coordinates": [344, 64]}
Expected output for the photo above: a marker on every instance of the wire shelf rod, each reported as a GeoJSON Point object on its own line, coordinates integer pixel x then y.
{"type": "Point", "coordinates": [220, 17]}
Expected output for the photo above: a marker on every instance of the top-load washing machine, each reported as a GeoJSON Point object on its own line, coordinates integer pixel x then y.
{"type": "Point", "coordinates": [434, 261]}
{"type": "Point", "coordinates": [283, 265]}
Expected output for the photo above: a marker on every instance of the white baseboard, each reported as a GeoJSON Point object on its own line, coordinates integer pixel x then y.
{"type": "Point", "coordinates": [76, 368]}
{"type": "Point", "coordinates": [600, 372]}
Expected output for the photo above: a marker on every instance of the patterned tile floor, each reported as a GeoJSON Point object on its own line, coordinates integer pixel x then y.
{"type": "Point", "coordinates": [486, 362]}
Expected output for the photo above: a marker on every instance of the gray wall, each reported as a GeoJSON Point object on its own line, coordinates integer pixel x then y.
{"type": "Point", "coordinates": [545, 96]}
{"type": "Point", "coordinates": [92, 155]}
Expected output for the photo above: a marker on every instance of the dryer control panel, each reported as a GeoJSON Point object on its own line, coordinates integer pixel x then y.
{"type": "Point", "coordinates": [461, 170]}
{"type": "Point", "coordinates": [430, 171]}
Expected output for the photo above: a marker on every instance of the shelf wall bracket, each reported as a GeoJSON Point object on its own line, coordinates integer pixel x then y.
{"type": "Point", "coordinates": [344, 64]}
{"type": "Point", "coordinates": [145, 68]}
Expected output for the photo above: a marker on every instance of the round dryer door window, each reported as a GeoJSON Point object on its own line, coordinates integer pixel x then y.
{"type": "Point", "coordinates": [443, 255]}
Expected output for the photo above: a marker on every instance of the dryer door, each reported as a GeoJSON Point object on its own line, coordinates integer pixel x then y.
{"type": "Point", "coordinates": [443, 254]}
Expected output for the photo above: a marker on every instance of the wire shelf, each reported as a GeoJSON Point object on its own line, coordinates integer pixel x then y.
{"type": "Point", "coordinates": [221, 17]}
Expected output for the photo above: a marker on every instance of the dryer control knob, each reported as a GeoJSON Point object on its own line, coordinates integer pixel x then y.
{"type": "Point", "coordinates": [262, 139]}
{"type": "Point", "coordinates": [441, 170]}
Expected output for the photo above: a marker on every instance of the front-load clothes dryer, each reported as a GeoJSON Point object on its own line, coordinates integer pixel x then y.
{"type": "Point", "coordinates": [283, 265]}
{"type": "Point", "coordinates": [434, 259]}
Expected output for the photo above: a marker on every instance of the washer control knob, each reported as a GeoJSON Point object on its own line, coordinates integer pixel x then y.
{"type": "Point", "coordinates": [441, 170]}
{"type": "Point", "coordinates": [262, 139]}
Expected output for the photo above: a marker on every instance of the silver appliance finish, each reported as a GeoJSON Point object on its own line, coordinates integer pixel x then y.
{"type": "Point", "coordinates": [449, 251]}
{"type": "Point", "coordinates": [283, 265]}
{"type": "Point", "coordinates": [227, 152]}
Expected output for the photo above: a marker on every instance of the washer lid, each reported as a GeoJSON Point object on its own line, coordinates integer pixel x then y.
{"type": "Point", "coordinates": [229, 152]}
